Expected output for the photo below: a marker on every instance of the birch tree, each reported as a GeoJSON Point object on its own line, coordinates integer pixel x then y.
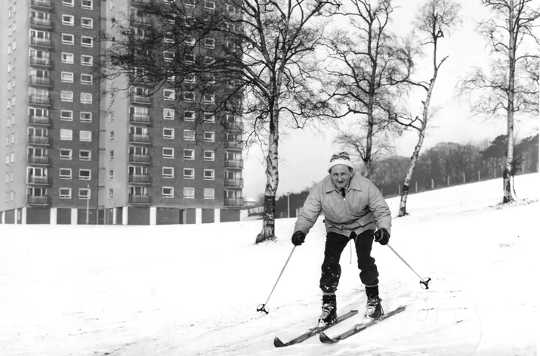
{"type": "Point", "coordinates": [511, 85]}
{"type": "Point", "coordinates": [368, 65]}
{"type": "Point", "coordinates": [435, 19]}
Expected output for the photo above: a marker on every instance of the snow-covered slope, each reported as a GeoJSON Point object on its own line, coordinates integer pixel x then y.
{"type": "Point", "coordinates": [193, 290]}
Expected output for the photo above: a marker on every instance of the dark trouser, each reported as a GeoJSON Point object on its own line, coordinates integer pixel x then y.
{"type": "Point", "coordinates": [331, 270]}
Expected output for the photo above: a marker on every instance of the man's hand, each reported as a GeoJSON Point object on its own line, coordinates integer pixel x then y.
{"type": "Point", "coordinates": [298, 238]}
{"type": "Point", "coordinates": [382, 236]}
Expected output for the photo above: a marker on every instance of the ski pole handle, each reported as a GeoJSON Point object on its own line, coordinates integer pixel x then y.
{"type": "Point", "coordinates": [424, 282]}
{"type": "Point", "coordinates": [262, 307]}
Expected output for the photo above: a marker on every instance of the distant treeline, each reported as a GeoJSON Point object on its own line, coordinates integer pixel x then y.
{"type": "Point", "coordinates": [445, 164]}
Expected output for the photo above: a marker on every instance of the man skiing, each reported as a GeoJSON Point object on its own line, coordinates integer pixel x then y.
{"type": "Point", "coordinates": [354, 209]}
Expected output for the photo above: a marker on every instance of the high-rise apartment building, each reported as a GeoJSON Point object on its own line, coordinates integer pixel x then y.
{"type": "Point", "coordinates": [79, 149]}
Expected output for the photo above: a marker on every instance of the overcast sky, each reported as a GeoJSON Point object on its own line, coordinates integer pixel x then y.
{"type": "Point", "coordinates": [304, 154]}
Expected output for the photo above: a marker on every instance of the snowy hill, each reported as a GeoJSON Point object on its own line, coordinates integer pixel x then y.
{"type": "Point", "coordinates": [193, 290]}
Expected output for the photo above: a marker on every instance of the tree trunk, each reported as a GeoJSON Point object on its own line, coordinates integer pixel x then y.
{"type": "Point", "coordinates": [272, 179]}
{"type": "Point", "coordinates": [410, 171]}
{"type": "Point", "coordinates": [507, 173]}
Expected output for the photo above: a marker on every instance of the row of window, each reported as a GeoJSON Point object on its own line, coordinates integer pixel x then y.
{"type": "Point", "coordinates": [69, 58]}
{"type": "Point", "coordinates": [170, 94]}
{"type": "Point", "coordinates": [66, 96]}
{"type": "Point", "coordinates": [189, 135]}
{"type": "Point", "coordinates": [84, 174]}
{"type": "Point", "coordinates": [86, 22]}
{"type": "Point", "coordinates": [69, 40]}
{"type": "Point", "coordinates": [188, 115]}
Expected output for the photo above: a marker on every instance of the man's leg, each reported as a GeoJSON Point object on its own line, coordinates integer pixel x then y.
{"type": "Point", "coordinates": [331, 270]}
{"type": "Point", "coordinates": [369, 275]}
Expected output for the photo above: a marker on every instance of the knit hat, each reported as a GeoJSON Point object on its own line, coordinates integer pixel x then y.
{"type": "Point", "coordinates": [340, 158]}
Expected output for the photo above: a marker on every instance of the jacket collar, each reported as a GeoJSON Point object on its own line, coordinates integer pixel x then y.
{"type": "Point", "coordinates": [355, 183]}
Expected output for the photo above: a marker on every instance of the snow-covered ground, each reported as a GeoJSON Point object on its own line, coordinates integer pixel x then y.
{"type": "Point", "coordinates": [193, 290]}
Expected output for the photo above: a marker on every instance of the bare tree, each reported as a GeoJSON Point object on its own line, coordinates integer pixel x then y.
{"type": "Point", "coordinates": [264, 59]}
{"type": "Point", "coordinates": [366, 69]}
{"type": "Point", "coordinates": [511, 85]}
{"type": "Point", "coordinates": [435, 19]}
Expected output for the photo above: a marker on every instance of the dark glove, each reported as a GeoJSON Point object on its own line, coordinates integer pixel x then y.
{"type": "Point", "coordinates": [298, 238]}
{"type": "Point", "coordinates": [382, 236]}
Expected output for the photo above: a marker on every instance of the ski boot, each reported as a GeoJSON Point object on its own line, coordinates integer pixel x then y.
{"type": "Point", "coordinates": [328, 313]}
{"type": "Point", "coordinates": [374, 308]}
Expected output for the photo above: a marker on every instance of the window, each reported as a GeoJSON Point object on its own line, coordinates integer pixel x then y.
{"type": "Point", "coordinates": [65, 153]}
{"type": "Point", "coordinates": [209, 60]}
{"type": "Point", "coordinates": [168, 133]}
{"type": "Point", "coordinates": [64, 173]}
{"type": "Point", "coordinates": [189, 193]}
{"type": "Point", "coordinates": [67, 57]}
{"type": "Point", "coordinates": [85, 136]}
{"type": "Point", "coordinates": [189, 135]}
{"type": "Point", "coordinates": [70, 3]}
{"type": "Point", "coordinates": [209, 155]}
{"type": "Point", "coordinates": [189, 96]}
{"type": "Point", "coordinates": [208, 174]}
{"type": "Point", "coordinates": [209, 4]}
{"type": "Point", "coordinates": [85, 174]}
{"type": "Point", "coordinates": [87, 41]}
{"type": "Point", "coordinates": [167, 172]}
{"type": "Point", "coordinates": [66, 115]}
{"type": "Point", "coordinates": [190, 78]}
{"type": "Point", "coordinates": [189, 57]}
{"type": "Point", "coordinates": [209, 136]}
{"type": "Point", "coordinates": [210, 43]}
{"type": "Point", "coordinates": [167, 192]}
{"type": "Point", "coordinates": [64, 193]}
{"type": "Point", "coordinates": [68, 39]}
{"type": "Point", "coordinates": [189, 40]}
{"type": "Point", "coordinates": [168, 56]}
{"type": "Point", "coordinates": [85, 155]}
{"type": "Point", "coordinates": [87, 4]}
{"type": "Point", "coordinates": [66, 96]}
{"type": "Point", "coordinates": [167, 152]}
{"type": "Point", "coordinates": [84, 193]}
{"type": "Point", "coordinates": [189, 115]}
{"type": "Point", "coordinates": [168, 114]}
{"type": "Point", "coordinates": [189, 154]}
{"type": "Point", "coordinates": [168, 94]}
{"type": "Point", "coordinates": [189, 173]}
{"type": "Point", "coordinates": [87, 22]}
{"type": "Point", "coordinates": [111, 173]}
{"type": "Point", "coordinates": [86, 78]}
{"type": "Point", "coordinates": [86, 98]}
{"type": "Point", "coordinates": [85, 116]}
{"type": "Point", "coordinates": [209, 193]}
{"type": "Point", "coordinates": [66, 77]}
{"type": "Point", "coordinates": [189, 2]}
{"type": "Point", "coordinates": [208, 98]}
{"type": "Point", "coordinates": [66, 135]}
{"type": "Point", "coordinates": [87, 60]}
{"type": "Point", "coordinates": [68, 20]}
{"type": "Point", "coordinates": [209, 117]}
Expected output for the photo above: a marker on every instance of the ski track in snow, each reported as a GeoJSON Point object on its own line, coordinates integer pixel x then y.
{"type": "Point", "coordinates": [193, 290]}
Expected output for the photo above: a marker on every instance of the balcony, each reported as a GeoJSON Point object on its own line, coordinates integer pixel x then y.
{"type": "Point", "coordinates": [39, 100]}
{"type": "Point", "coordinates": [145, 179]}
{"type": "Point", "coordinates": [35, 180]}
{"type": "Point", "coordinates": [39, 120]}
{"type": "Point", "coordinates": [38, 140]}
{"type": "Point", "coordinates": [234, 163]}
{"type": "Point", "coordinates": [236, 145]}
{"type": "Point", "coordinates": [41, 4]}
{"type": "Point", "coordinates": [140, 158]}
{"type": "Point", "coordinates": [40, 81]}
{"type": "Point", "coordinates": [40, 62]}
{"type": "Point", "coordinates": [38, 160]}
{"type": "Point", "coordinates": [40, 42]}
{"type": "Point", "coordinates": [141, 99]}
{"type": "Point", "coordinates": [34, 200]}
{"type": "Point", "coordinates": [237, 202]}
{"type": "Point", "coordinates": [139, 199]}
{"type": "Point", "coordinates": [144, 139]}
{"type": "Point", "coordinates": [234, 183]}
{"type": "Point", "coordinates": [42, 24]}
{"type": "Point", "coordinates": [140, 119]}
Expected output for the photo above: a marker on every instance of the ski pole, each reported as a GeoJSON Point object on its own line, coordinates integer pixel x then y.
{"type": "Point", "coordinates": [262, 307]}
{"type": "Point", "coordinates": [423, 281]}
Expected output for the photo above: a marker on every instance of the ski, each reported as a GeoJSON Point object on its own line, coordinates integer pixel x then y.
{"type": "Point", "coordinates": [313, 331]}
{"type": "Point", "coordinates": [357, 328]}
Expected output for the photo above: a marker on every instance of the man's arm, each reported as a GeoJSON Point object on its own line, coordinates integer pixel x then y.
{"type": "Point", "coordinates": [379, 208]}
{"type": "Point", "coordinates": [310, 211]}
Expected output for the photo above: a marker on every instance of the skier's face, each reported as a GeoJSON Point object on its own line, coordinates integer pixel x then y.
{"type": "Point", "coordinates": [341, 176]}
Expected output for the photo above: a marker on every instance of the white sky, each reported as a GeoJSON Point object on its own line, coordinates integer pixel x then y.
{"type": "Point", "coordinates": [304, 153]}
